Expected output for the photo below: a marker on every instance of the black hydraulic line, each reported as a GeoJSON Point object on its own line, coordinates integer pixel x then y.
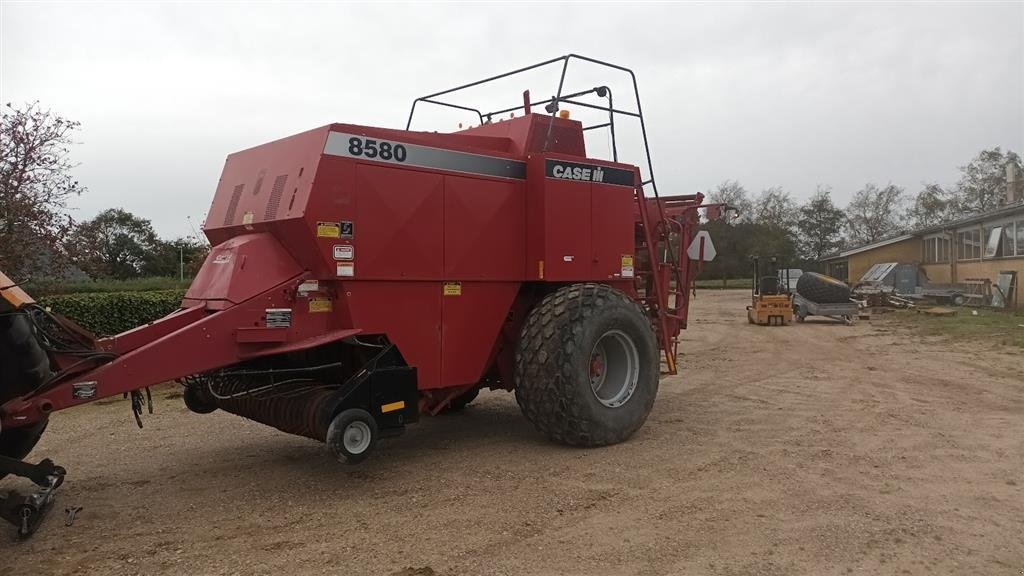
{"type": "Point", "coordinates": [280, 372]}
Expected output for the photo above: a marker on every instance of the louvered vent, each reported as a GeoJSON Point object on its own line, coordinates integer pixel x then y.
{"type": "Point", "coordinates": [275, 198]}
{"type": "Point", "coordinates": [236, 196]}
{"type": "Point", "coordinates": [259, 185]}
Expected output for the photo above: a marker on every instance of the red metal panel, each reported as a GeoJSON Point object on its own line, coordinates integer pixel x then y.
{"type": "Point", "coordinates": [399, 223]}
{"type": "Point", "coordinates": [567, 231]}
{"type": "Point", "coordinates": [409, 313]}
{"type": "Point", "coordinates": [528, 134]}
{"type": "Point", "coordinates": [258, 185]}
{"type": "Point", "coordinates": [242, 267]}
{"type": "Point", "coordinates": [484, 235]}
{"type": "Point", "coordinates": [472, 321]}
{"type": "Point", "coordinates": [613, 235]}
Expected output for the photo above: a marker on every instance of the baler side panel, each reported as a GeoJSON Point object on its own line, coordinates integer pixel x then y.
{"type": "Point", "coordinates": [613, 235]}
{"type": "Point", "coordinates": [399, 224]}
{"type": "Point", "coordinates": [485, 229]}
{"type": "Point", "coordinates": [577, 230]}
{"type": "Point", "coordinates": [472, 322]}
{"type": "Point", "coordinates": [409, 313]}
{"type": "Point", "coordinates": [568, 232]}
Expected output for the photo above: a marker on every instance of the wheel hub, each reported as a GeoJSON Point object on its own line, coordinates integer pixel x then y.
{"type": "Point", "coordinates": [614, 368]}
{"type": "Point", "coordinates": [357, 437]}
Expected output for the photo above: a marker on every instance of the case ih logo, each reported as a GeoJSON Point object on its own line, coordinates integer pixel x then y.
{"type": "Point", "coordinates": [588, 173]}
{"type": "Point", "coordinates": [594, 174]}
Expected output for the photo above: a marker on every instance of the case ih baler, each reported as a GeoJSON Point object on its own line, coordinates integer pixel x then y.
{"type": "Point", "coordinates": [361, 277]}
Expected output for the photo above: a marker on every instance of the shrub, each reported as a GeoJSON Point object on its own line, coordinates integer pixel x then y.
{"type": "Point", "coordinates": [41, 288]}
{"type": "Point", "coordinates": [107, 314]}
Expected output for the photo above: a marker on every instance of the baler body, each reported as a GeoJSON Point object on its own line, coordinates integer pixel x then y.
{"type": "Point", "coordinates": [431, 250]}
{"type": "Point", "coordinates": [395, 267]}
{"type": "Point", "coordinates": [361, 276]}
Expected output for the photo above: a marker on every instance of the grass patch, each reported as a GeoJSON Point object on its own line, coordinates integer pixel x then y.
{"type": "Point", "coordinates": [43, 288]}
{"type": "Point", "coordinates": [987, 327]}
{"type": "Point", "coordinates": [727, 284]}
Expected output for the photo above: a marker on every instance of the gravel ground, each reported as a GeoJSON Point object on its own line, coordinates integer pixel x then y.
{"type": "Point", "coordinates": [809, 449]}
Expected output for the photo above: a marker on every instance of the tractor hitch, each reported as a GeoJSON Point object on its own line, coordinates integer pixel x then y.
{"type": "Point", "coordinates": [26, 513]}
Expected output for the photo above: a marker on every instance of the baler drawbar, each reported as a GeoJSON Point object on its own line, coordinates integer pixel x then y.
{"type": "Point", "coordinates": [361, 277]}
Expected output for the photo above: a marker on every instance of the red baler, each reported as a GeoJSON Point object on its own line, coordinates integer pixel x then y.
{"type": "Point", "coordinates": [361, 277]}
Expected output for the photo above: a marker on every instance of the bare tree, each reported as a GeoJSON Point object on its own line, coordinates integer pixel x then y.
{"type": "Point", "coordinates": [735, 196]}
{"type": "Point", "coordinates": [874, 213]}
{"type": "Point", "coordinates": [35, 185]}
{"type": "Point", "coordinates": [982, 184]}
{"type": "Point", "coordinates": [932, 205]}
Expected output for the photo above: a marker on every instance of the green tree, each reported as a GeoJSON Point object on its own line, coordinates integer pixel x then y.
{"type": "Point", "coordinates": [982, 185]}
{"type": "Point", "coordinates": [116, 244]}
{"type": "Point", "coordinates": [820, 225]}
{"type": "Point", "coordinates": [874, 213]}
{"type": "Point", "coordinates": [776, 209]}
{"type": "Point", "coordinates": [168, 257]}
{"type": "Point", "coordinates": [736, 243]}
{"type": "Point", "coordinates": [35, 185]}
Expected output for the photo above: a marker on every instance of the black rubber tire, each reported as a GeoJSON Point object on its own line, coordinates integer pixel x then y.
{"type": "Point", "coordinates": [17, 443]}
{"type": "Point", "coordinates": [336, 435]}
{"type": "Point", "coordinates": [198, 401]}
{"type": "Point", "coordinates": [822, 289]}
{"type": "Point", "coordinates": [552, 374]}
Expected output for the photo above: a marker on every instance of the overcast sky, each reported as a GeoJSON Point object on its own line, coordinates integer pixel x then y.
{"type": "Point", "coordinates": [789, 95]}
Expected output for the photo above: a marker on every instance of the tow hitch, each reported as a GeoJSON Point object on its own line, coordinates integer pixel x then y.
{"type": "Point", "coordinates": [27, 512]}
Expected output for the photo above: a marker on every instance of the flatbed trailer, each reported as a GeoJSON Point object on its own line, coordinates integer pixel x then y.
{"type": "Point", "coordinates": [846, 312]}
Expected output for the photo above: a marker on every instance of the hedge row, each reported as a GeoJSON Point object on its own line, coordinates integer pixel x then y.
{"type": "Point", "coordinates": [41, 288]}
{"type": "Point", "coordinates": [106, 314]}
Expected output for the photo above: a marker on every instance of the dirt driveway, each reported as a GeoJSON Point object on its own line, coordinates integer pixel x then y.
{"type": "Point", "coordinates": [811, 449]}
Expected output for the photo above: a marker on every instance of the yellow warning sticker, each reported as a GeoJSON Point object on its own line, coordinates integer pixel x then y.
{"type": "Point", "coordinates": [320, 305]}
{"type": "Point", "coordinates": [453, 289]}
{"type": "Point", "coordinates": [627, 270]}
{"type": "Point", "coordinates": [392, 407]}
{"type": "Point", "coordinates": [328, 229]}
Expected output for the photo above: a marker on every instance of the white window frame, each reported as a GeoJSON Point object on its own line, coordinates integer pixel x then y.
{"type": "Point", "coordinates": [974, 245]}
{"type": "Point", "coordinates": [936, 249]}
{"type": "Point", "coordinates": [1019, 224]}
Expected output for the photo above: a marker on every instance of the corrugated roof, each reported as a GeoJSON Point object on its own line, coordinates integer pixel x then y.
{"type": "Point", "coordinates": [997, 213]}
{"type": "Point", "coordinates": [866, 247]}
{"type": "Point", "coordinates": [977, 218]}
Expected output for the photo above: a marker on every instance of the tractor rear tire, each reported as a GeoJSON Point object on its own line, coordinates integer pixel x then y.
{"type": "Point", "coordinates": [17, 443]}
{"type": "Point", "coordinates": [822, 289]}
{"type": "Point", "coordinates": [587, 366]}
